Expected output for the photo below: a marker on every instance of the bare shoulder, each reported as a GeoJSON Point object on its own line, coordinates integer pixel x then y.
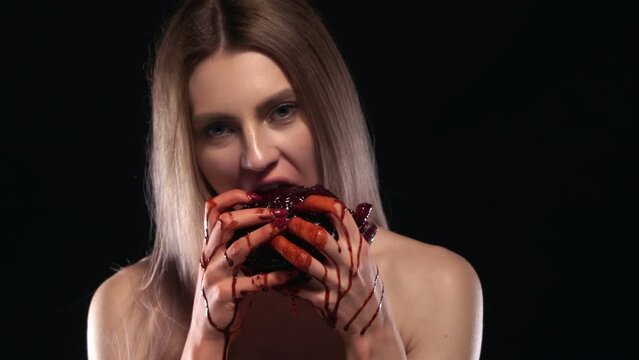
{"type": "Point", "coordinates": [436, 295]}
{"type": "Point", "coordinates": [423, 263]}
{"type": "Point", "coordinates": [111, 308]}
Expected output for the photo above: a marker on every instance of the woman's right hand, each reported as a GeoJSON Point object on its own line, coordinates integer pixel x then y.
{"type": "Point", "coordinates": [216, 318]}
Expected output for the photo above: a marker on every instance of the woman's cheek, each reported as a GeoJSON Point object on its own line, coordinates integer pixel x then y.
{"type": "Point", "coordinates": [220, 168]}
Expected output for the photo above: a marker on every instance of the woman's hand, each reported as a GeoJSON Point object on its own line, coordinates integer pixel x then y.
{"type": "Point", "coordinates": [346, 289]}
{"type": "Point", "coordinates": [216, 318]}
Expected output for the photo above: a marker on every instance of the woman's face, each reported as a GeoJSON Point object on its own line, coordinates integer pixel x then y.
{"type": "Point", "coordinates": [248, 129]}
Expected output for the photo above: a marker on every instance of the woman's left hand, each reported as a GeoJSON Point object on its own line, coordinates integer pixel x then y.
{"type": "Point", "coordinates": [347, 289]}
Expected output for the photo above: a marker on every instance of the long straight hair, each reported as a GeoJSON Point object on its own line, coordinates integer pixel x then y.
{"type": "Point", "coordinates": [291, 33]}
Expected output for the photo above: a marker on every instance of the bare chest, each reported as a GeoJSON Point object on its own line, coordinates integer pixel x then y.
{"type": "Point", "coordinates": [272, 330]}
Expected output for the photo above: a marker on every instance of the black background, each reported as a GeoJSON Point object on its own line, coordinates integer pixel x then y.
{"type": "Point", "coordinates": [502, 130]}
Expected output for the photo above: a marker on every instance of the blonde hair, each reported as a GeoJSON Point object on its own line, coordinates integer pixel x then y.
{"type": "Point", "coordinates": [292, 34]}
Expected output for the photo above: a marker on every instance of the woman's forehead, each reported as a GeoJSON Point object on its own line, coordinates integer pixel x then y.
{"type": "Point", "coordinates": [229, 79]}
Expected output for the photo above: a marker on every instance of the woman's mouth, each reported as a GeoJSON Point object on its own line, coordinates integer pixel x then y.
{"type": "Point", "coordinates": [271, 186]}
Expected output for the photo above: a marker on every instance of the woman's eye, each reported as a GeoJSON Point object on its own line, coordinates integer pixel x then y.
{"type": "Point", "coordinates": [216, 130]}
{"type": "Point", "coordinates": [284, 112]}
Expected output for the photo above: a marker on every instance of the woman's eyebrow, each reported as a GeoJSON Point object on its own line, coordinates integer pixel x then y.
{"type": "Point", "coordinates": [286, 94]}
{"type": "Point", "coordinates": [280, 96]}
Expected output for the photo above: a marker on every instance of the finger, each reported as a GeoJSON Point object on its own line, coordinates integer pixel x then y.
{"type": "Point", "coordinates": [311, 233]}
{"type": "Point", "coordinates": [322, 240]}
{"type": "Point", "coordinates": [237, 219]}
{"type": "Point", "coordinates": [299, 258]}
{"type": "Point", "coordinates": [323, 204]}
{"type": "Point", "coordinates": [337, 211]}
{"type": "Point", "coordinates": [341, 219]}
{"type": "Point", "coordinates": [216, 205]}
{"type": "Point", "coordinates": [242, 247]}
{"type": "Point", "coordinates": [212, 247]}
{"type": "Point", "coordinates": [261, 282]}
{"type": "Point", "coordinates": [228, 199]}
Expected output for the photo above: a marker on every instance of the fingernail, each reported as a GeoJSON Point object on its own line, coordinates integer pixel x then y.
{"type": "Point", "coordinates": [279, 213]}
{"type": "Point", "coordinates": [280, 222]}
{"type": "Point", "coordinates": [254, 197]}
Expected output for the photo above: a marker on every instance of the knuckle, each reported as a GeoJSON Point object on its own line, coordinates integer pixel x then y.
{"type": "Point", "coordinates": [318, 234]}
{"type": "Point", "coordinates": [294, 223]}
{"type": "Point", "coordinates": [302, 259]}
{"type": "Point", "coordinates": [259, 281]}
{"type": "Point", "coordinates": [210, 203]}
{"type": "Point", "coordinates": [228, 221]}
{"type": "Point", "coordinates": [308, 227]}
{"type": "Point", "coordinates": [225, 218]}
{"type": "Point", "coordinates": [239, 195]}
{"type": "Point", "coordinates": [320, 239]}
{"type": "Point", "coordinates": [234, 249]}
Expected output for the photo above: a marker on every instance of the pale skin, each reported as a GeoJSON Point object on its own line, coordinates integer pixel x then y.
{"type": "Point", "coordinates": [431, 307]}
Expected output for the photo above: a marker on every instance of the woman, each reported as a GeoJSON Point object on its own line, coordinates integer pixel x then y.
{"type": "Point", "coordinates": [248, 95]}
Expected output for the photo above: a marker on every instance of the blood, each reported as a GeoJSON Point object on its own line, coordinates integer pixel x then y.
{"type": "Point", "coordinates": [287, 198]}
{"type": "Point", "coordinates": [204, 262]}
{"type": "Point", "coordinates": [264, 259]}
{"type": "Point", "coordinates": [376, 312]}
{"type": "Point", "coordinates": [265, 287]}
{"type": "Point", "coordinates": [226, 331]}
{"type": "Point", "coordinates": [348, 325]}
{"type": "Point", "coordinates": [229, 261]}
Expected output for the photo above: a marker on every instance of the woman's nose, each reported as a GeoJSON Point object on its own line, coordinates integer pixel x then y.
{"type": "Point", "coordinates": [260, 150]}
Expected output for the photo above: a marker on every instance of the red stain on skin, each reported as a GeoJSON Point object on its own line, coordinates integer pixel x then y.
{"type": "Point", "coordinates": [236, 271]}
{"type": "Point", "coordinates": [260, 282]}
{"type": "Point", "coordinates": [370, 295]}
{"type": "Point", "coordinates": [264, 214]}
{"type": "Point", "coordinates": [317, 236]}
{"type": "Point", "coordinates": [226, 331]}
{"type": "Point", "coordinates": [339, 207]}
{"type": "Point", "coordinates": [204, 262]}
{"type": "Point", "coordinates": [376, 312]}
{"type": "Point", "coordinates": [228, 260]}
{"type": "Point", "coordinates": [293, 253]}
{"type": "Point", "coordinates": [248, 240]}
{"type": "Point", "coordinates": [314, 234]}
{"type": "Point", "coordinates": [228, 221]}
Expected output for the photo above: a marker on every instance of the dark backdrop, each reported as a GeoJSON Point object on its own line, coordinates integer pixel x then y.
{"type": "Point", "coordinates": [503, 132]}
